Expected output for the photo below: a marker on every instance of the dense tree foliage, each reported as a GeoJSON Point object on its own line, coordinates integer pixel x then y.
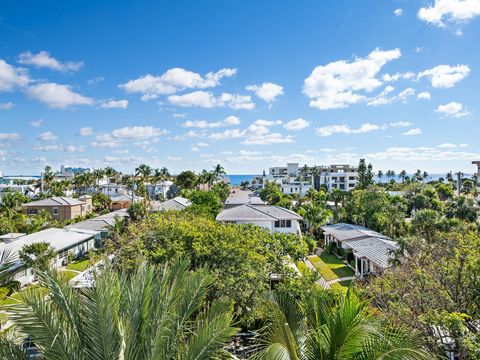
{"type": "Point", "coordinates": [240, 258]}
{"type": "Point", "coordinates": [436, 288]}
{"type": "Point", "coordinates": [37, 255]}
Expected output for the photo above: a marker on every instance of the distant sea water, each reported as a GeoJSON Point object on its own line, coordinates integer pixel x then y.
{"type": "Point", "coordinates": [235, 180]}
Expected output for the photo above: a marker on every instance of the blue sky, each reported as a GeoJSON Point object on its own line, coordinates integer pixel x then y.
{"type": "Point", "coordinates": [248, 84]}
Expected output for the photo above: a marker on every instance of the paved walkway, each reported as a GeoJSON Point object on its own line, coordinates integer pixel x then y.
{"type": "Point", "coordinates": [321, 281]}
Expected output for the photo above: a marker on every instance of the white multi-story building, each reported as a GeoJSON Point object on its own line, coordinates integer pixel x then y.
{"type": "Point", "coordinates": [343, 177]}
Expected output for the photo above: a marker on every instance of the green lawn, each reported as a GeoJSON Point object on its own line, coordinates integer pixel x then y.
{"type": "Point", "coordinates": [15, 298]}
{"type": "Point", "coordinates": [68, 274]}
{"type": "Point", "coordinates": [81, 265]}
{"type": "Point", "coordinates": [341, 285]}
{"type": "Point", "coordinates": [330, 267]}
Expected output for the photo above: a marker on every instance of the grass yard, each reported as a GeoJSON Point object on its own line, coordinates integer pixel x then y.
{"type": "Point", "coordinates": [15, 298]}
{"type": "Point", "coordinates": [341, 285]}
{"type": "Point", "coordinates": [330, 267]}
{"type": "Point", "coordinates": [81, 265]}
{"type": "Point", "coordinates": [69, 274]}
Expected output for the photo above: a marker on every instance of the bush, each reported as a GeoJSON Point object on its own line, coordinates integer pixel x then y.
{"type": "Point", "coordinates": [13, 286]}
{"type": "Point", "coordinates": [311, 243]}
{"type": "Point", "coordinates": [331, 248]}
{"type": "Point", "coordinates": [341, 252]}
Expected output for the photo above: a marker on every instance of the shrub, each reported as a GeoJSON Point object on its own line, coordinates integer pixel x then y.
{"type": "Point", "coordinates": [341, 252]}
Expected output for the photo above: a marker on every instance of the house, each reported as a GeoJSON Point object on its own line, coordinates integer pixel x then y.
{"type": "Point", "coordinates": [241, 197]}
{"type": "Point", "coordinates": [123, 201]}
{"type": "Point", "coordinates": [371, 250]}
{"type": "Point", "coordinates": [112, 190]}
{"type": "Point", "coordinates": [63, 241]}
{"type": "Point", "coordinates": [159, 189]}
{"type": "Point", "coordinates": [273, 218]}
{"type": "Point", "coordinates": [100, 224]}
{"type": "Point", "coordinates": [296, 187]}
{"type": "Point", "coordinates": [61, 207]}
{"type": "Point", "coordinates": [177, 203]}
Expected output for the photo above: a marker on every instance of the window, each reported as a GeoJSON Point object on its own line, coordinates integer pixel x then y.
{"type": "Point", "coordinates": [32, 211]}
{"type": "Point", "coordinates": [342, 178]}
{"type": "Point", "coordinates": [351, 185]}
{"type": "Point", "coordinates": [283, 223]}
{"type": "Point", "coordinates": [55, 211]}
{"type": "Point", "coordinates": [351, 178]}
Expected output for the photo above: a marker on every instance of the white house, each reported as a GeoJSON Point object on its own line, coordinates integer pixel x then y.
{"type": "Point", "coordinates": [371, 250]}
{"type": "Point", "coordinates": [296, 187]}
{"type": "Point", "coordinates": [343, 177]}
{"type": "Point", "coordinates": [273, 218]}
{"type": "Point", "coordinates": [63, 241]}
{"type": "Point", "coordinates": [159, 189]}
{"type": "Point", "coordinates": [239, 197]}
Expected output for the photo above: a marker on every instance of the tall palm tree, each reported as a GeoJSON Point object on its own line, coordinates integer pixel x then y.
{"type": "Point", "coordinates": [402, 175]}
{"type": "Point", "coordinates": [219, 171]}
{"type": "Point", "coordinates": [337, 196]}
{"type": "Point", "coordinates": [149, 314]}
{"type": "Point", "coordinates": [316, 215]}
{"type": "Point", "coordinates": [380, 175]}
{"type": "Point", "coordinates": [324, 328]}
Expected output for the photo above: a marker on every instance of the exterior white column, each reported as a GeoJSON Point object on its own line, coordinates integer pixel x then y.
{"type": "Point", "coordinates": [356, 266]}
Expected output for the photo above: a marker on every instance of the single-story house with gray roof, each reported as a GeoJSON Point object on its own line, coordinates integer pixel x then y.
{"type": "Point", "coordinates": [371, 250]}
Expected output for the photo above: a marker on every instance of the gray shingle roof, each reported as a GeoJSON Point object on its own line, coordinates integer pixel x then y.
{"type": "Point", "coordinates": [343, 231]}
{"type": "Point", "coordinates": [56, 201]}
{"type": "Point", "coordinates": [177, 203]}
{"type": "Point", "coordinates": [257, 212]}
{"type": "Point", "coordinates": [373, 248]}
{"type": "Point", "coordinates": [99, 223]}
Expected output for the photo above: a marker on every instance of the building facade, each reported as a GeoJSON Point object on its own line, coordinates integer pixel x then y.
{"type": "Point", "coordinates": [61, 207]}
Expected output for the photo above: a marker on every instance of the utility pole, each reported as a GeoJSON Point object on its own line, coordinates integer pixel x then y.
{"type": "Point", "coordinates": [459, 182]}
{"type": "Point", "coordinates": [41, 182]}
{"type": "Point", "coordinates": [133, 187]}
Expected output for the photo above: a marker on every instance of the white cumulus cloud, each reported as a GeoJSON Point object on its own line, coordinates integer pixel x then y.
{"type": "Point", "coordinates": [345, 129]}
{"type": "Point", "coordinates": [86, 131]}
{"type": "Point", "coordinates": [47, 136]}
{"type": "Point", "coordinates": [412, 132]}
{"type": "Point", "coordinates": [267, 91]}
{"type": "Point", "coordinates": [44, 60]}
{"type": "Point", "coordinates": [452, 11]}
{"type": "Point", "coordinates": [424, 95]}
{"type": "Point", "coordinates": [341, 83]}
{"type": "Point", "coordinates": [398, 12]}
{"type": "Point", "coordinates": [297, 124]}
{"type": "Point", "coordinates": [174, 80]}
{"type": "Point", "coordinates": [445, 76]}
{"type": "Point", "coordinates": [453, 109]}
{"type": "Point", "coordinates": [206, 99]}
{"type": "Point", "coordinates": [115, 104]}
{"type": "Point", "coordinates": [9, 136]}
{"type": "Point", "coordinates": [202, 124]}
{"type": "Point", "coordinates": [11, 77]}
{"type": "Point", "coordinates": [57, 96]}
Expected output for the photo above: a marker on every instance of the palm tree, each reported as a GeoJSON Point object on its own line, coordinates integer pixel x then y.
{"type": "Point", "coordinates": [219, 171]}
{"type": "Point", "coordinates": [380, 175]}
{"type": "Point", "coordinates": [149, 314]}
{"type": "Point", "coordinates": [425, 175]}
{"type": "Point", "coordinates": [337, 197]}
{"type": "Point", "coordinates": [390, 174]}
{"type": "Point", "coordinates": [324, 328]}
{"type": "Point", "coordinates": [402, 175]}
{"type": "Point", "coordinates": [316, 215]}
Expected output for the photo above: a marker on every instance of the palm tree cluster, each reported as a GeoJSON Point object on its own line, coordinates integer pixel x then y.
{"type": "Point", "coordinates": [149, 314]}
{"type": "Point", "coordinates": [322, 327]}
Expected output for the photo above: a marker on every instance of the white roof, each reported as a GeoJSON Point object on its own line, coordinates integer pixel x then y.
{"type": "Point", "coordinates": [257, 212]}
{"type": "Point", "coordinates": [59, 239]}
{"type": "Point", "coordinates": [343, 231]}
